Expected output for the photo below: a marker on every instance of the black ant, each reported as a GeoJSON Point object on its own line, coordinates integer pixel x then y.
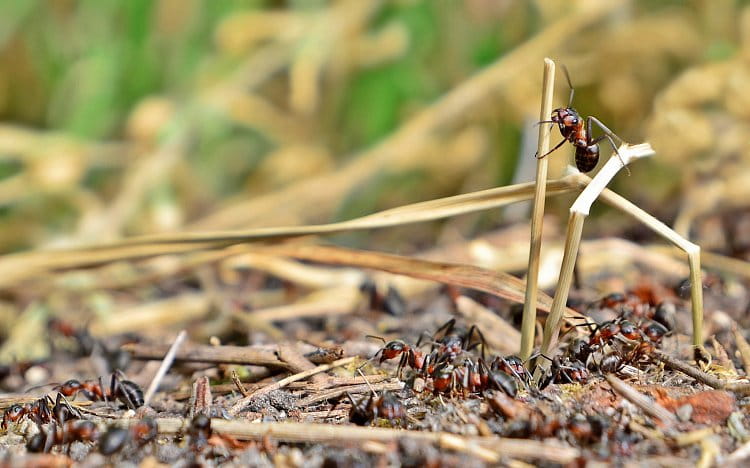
{"type": "Point", "coordinates": [71, 431]}
{"type": "Point", "coordinates": [565, 372]}
{"type": "Point", "coordinates": [572, 129]}
{"type": "Point", "coordinates": [142, 432]}
{"type": "Point", "coordinates": [126, 391]}
{"type": "Point", "coordinates": [386, 406]}
{"type": "Point", "coordinates": [453, 341]}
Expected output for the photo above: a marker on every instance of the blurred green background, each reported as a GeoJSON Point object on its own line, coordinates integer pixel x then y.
{"type": "Point", "coordinates": [127, 117]}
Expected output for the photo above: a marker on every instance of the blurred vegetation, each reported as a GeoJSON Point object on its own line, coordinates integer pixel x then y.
{"type": "Point", "coordinates": [128, 117]}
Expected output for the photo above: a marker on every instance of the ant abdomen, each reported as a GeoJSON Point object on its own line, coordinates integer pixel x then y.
{"type": "Point", "coordinates": [587, 157]}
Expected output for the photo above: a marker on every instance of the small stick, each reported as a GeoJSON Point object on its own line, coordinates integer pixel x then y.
{"type": "Point", "coordinates": [243, 402]}
{"type": "Point", "coordinates": [700, 376]}
{"type": "Point", "coordinates": [211, 354]}
{"type": "Point", "coordinates": [238, 384]}
{"type": "Point", "coordinates": [353, 389]}
{"type": "Point", "coordinates": [528, 324]}
{"type": "Point", "coordinates": [165, 365]}
{"type": "Point", "coordinates": [297, 362]}
{"type": "Point", "coordinates": [334, 434]}
{"type": "Point", "coordinates": [653, 409]}
{"type": "Point", "coordinates": [743, 347]}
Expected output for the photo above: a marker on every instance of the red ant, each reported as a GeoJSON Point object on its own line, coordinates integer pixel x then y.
{"type": "Point", "coordinates": [71, 431]}
{"type": "Point", "coordinates": [392, 349]}
{"type": "Point", "coordinates": [40, 411]}
{"type": "Point", "coordinates": [119, 389]}
{"type": "Point", "coordinates": [572, 129]}
{"type": "Point", "coordinates": [142, 432]}
{"type": "Point", "coordinates": [472, 377]}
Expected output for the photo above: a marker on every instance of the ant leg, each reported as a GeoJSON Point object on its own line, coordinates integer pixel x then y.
{"type": "Point", "coordinates": [445, 328]}
{"type": "Point", "coordinates": [608, 134]}
{"type": "Point", "coordinates": [552, 150]}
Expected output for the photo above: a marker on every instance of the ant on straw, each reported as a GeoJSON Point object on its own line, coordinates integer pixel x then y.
{"type": "Point", "coordinates": [572, 129]}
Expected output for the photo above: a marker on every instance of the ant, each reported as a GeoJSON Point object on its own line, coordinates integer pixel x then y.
{"type": "Point", "coordinates": [367, 410]}
{"type": "Point", "coordinates": [565, 372]}
{"type": "Point", "coordinates": [572, 129]}
{"type": "Point", "coordinates": [453, 341]}
{"type": "Point", "coordinates": [71, 431]}
{"type": "Point", "coordinates": [142, 432]}
{"type": "Point", "coordinates": [126, 391]}
{"type": "Point", "coordinates": [409, 355]}
{"type": "Point", "coordinates": [39, 410]}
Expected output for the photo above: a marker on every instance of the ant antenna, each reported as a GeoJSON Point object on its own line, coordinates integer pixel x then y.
{"type": "Point", "coordinates": [367, 381]}
{"type": "Point", "coordinates": [570, 84]}
{"type": "Point", "coordinates": [376, 337]}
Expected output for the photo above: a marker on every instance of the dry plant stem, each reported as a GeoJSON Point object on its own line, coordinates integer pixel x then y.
{"type": "Point", "coordinates": [528, 325]}
{"type": "Point", "coordinates": [693, 252]}
{"type": "Point", "coordinates": [165, 365]}
{"type": "Point", "coordinates": [210, 354]}
{"type": "Point", "coordinates": [743, 347]}
{"type": "Point", "coordinates": [578, 213]}
{"type": "Point", "coordinates": [353, 389]}
{"type": "Point", "coordinates": [333, 434]}
{"type": "Point", "coordinates": [649, 407]}
{"type": "Point", "coordinates": [741, 388]}
{"type": "Point", "coordinates": [243, 402]}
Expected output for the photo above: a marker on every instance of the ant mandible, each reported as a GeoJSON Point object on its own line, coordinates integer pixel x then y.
{"type": "Point", "coordinates": [572, 129]}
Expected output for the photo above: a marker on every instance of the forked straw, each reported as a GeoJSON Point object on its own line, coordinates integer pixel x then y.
{"type": "Point", "coordinates": [578, 213]}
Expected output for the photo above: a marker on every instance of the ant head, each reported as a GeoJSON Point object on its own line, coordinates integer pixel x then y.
{"type": "Point", "coordinates": [68, 388]}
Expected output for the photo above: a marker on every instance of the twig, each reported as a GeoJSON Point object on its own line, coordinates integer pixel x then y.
{"type": "Point", "coordinates": [333, 434]}
{"type": "Point", "coordinates": [201, 399]}
{"type": "Point", "coordinates": [649, 407]}
{"type": "Point", "coordinates": [743, 347]}
{"type": "Point", "coordinates": [243, 402]}
{"type": "Point", "coordinates": [297, 362]}
{"type": "Point", "coordinates": [700, 376]}
{"type": "Point", "coordinates": [210, 354]}
{"type": "Point", "coordinates": [165, 365]}
{"type": "Point", "coordinates": [337, 392]}
{"type": "Point", "coordinates": [528, 325]}
{"type": "Point", "coordinates": [238, 384]}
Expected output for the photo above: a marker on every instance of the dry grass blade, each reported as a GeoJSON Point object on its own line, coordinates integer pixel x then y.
{"type": "Point", "coordinates": [649, 407]}
{"type": "Point", "coordinates": [15, 268]}
{"type": "Point", "coordinates": [327, 433]}
{"type": "Point", "coordinates": [497, 283]}
{"type": "Point", "coordinates": [528, 325]}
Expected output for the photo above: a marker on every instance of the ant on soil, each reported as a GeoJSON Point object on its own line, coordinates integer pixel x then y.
{"type": "Point", "coordinates": [572, 129]}
{"type": "Point", "coordinates": [126, 391]}
{"type": "Point", "coordinates": [71, 431]}
{"type": "Point", "coordinates": [42, 411]}
{"type": "Point", "coordinates": [142, 432]}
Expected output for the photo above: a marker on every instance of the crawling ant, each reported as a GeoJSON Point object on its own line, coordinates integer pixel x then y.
{"type": "Point", "coordinates": [565, 372]}
{"type": "Point", "coordinates": [126, 391]}
{"type": "Point", "coordinates": [453, 340]}
{"type": "Point", "coordinates": [409, 355]}
{"type": "Point", "coordinates": [572, 129]}
{"type": "Point", "coordinates": [386, 406]}
{"type": "Point", "coordinates": [71, 431]}
{"type": "Point", "coordinates": [42, 411]}
{"type": "Point", "coordinates": [142, 432]}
